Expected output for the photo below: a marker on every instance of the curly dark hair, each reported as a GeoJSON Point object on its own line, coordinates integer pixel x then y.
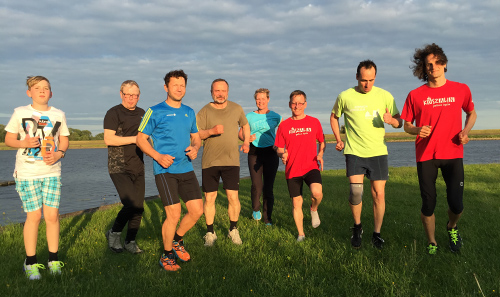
{"type": "Point", "coordinates": [367, 64]}
{"type": "Point", "coordinates": [419, 68]}
{"type": "Point", "coordinates": [176, 74]}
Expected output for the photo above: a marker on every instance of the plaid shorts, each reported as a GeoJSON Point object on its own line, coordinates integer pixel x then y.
{"type": "Point", "coordinates": [38, 191]}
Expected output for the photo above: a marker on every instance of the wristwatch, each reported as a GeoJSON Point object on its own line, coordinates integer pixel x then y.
{"type": "Point", "coordinates": [63, 153]}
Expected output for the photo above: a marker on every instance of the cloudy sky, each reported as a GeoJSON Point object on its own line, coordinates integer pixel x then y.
{"type": "Point", "coordinates": [87, 48]}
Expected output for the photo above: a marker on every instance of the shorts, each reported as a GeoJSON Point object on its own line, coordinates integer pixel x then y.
{"type": "Point", "coordinates": [170, 186]}
{"type": "Point", "coordinates": [211, 176]}
{"type": "Point", "coordinates": [295, 183]}
{"type": "Point", "coordinates": [453, 175]}
{"type": "Point", "coordinates": [39, 191]}
{"type": "Point", "coordinates": [374, 168]}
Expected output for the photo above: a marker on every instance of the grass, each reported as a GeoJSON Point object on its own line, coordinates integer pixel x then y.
{"type": "Point", "coordinates": [270, 262]}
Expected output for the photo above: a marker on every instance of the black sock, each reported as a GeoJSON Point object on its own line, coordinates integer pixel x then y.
{"type": "Point", "coordinates": [165, 252]}
{"type": "Point", "coordinates": [358, 226]}
{"type": "Point", "coordinates": [210, 228]}
{"type": "Point", "coordinates": [375, 234]}
{"type": "Point", "coordinates": [30, 260]}
{"type": "Point", "coordinates": [232, 225]}
{"type": "Point", "coordinates": [177, 237]}
{"type": "Point", "coordinates": [53, 256]}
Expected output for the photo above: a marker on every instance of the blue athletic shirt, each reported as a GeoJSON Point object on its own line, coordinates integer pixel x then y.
{"type": "Point", "coordinates": [170, 131]}
{"type": "Point", "coordinates": [264, 127]}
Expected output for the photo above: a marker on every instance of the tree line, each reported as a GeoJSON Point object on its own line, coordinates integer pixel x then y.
{"type": "Point", "coordinates": [75, 134]}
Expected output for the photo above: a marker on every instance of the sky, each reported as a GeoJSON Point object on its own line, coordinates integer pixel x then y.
{"type": "Point", "coordinates": [88, 48]}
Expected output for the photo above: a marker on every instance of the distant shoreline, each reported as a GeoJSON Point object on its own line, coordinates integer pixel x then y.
{"type": "Point", "coordinates": [489, 134]}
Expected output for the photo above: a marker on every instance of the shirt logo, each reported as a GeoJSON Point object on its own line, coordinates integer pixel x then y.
{"type": "Point", "coordinates": [171, 115]}
{"type": "Point", "coordinates": [299, 131]}
{"type": "Point", "coordinates": [439, 101]}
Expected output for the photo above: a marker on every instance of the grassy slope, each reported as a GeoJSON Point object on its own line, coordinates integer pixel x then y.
{"type": "Point", "coordinates": [270, 262]}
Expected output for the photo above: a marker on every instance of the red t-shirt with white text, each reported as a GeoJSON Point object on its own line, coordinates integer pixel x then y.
{"type": "Point", "coordinates": [299, 138]}
{"type": "Point", "coordinates": [441, 108]}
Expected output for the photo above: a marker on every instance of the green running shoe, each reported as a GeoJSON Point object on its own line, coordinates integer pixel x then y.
{"type": "Point", "coordinates": [32, 272]}
{"type": "Point", "coordinates": [432, 249]}
{"type": "Point", "coordinates": [455, 239]}
{"type": "Point", "coordinates": [55, 267]}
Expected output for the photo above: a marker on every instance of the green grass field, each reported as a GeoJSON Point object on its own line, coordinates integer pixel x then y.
{"type": "Point", "coordinates": [270, 262]}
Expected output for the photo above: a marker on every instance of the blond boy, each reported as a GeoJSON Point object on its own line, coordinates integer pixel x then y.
{"type": "Point", "coordinates": [40, 133]}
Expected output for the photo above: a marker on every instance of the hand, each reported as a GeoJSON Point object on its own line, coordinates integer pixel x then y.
{"type": "Point", "coordinates": [191, 152]}
{"type": "Point", "coordinates": [252, 137]}
{"type": "Point", "coordinates": [284, 157]}
{"type": "Point", "coordinates": [245, 148]}
{"type": "Point", "coordinates": [340, 145]}
{"type": "Point", "coordinates": [51, 157]}
{"type": "Point", "coordinates": [217, 130]}
{"type": "Point", "coordinates": [165, 160]}
{"type": "Point", "coordinates": [31, 142]}
{"type": "Point", "coordinates": [425, 131]}
{"type": "Point", "coordinates": [463, 138]}
{"type": "Point", "coordinates": [320, 160]}
{"type": "Point", "coordinates": [387, 117]}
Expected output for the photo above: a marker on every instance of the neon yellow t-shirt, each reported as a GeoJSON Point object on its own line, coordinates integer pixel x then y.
{"type": "Point", "coordinates": [364, 122]}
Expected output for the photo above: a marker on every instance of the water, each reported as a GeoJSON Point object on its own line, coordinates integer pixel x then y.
{"type": "Point", "coordinates": [86, 182]}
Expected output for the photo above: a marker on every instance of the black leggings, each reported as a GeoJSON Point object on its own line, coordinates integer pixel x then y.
{"type": "Point", "coordinates": [453, 175]}
{"type": "Point", "coordinates": [263, 164]}
{"type": "Point", "coordinates": [131, 189]}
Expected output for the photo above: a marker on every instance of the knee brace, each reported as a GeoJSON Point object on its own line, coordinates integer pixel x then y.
{"type": "Point", "coordinates": [356, 194]}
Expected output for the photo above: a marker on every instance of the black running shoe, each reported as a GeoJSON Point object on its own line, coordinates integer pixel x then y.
{"type": "Point", "coordinates": [455, 239]}
{"type": "Point", "coordinates": [377, 241]}
{"type": "Point", "coordinates": [356, 237]}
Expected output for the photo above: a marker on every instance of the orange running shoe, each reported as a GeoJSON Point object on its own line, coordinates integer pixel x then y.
{"type": "Point", "coordinates": [180, 252]}
{"type": "Point", "coordinates": [168, 262]}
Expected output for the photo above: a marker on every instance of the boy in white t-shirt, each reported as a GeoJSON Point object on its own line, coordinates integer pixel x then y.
{"type": "Point", "coordinates": [43, 141]}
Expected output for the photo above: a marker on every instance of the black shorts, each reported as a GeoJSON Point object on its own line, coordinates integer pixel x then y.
{"type": "Point", "coordinates": [295, 183]}
{"type": "Point", "coordinates": [230, 178]}
{"type": "Point", "coordinates": [170, 186]}
{"type": "Point", "coordinates": [374, 168]}
{"type": "Point", "coordinates": [453, 175]}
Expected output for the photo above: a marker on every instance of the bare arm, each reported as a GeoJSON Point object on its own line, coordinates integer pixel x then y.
{"type": "Point", "coordinates": [216, 130]}
{"type": "Point", "coordinates": [395, 121]}
{"type": "Point", "coordinates": [142, 142]}
{"type": "Point", "coordinates": [322, 148]}
{"type": "Point", "coordinates": [28, 142]}
{"type": "Point", "coordinates": [334, 123]}
{"type": "Point", "coordinates": [423, 132]}
{"type": "Point", "coordinates": [192, 150]}
{"type": "Point", "coordinates": [470, 120]}
{"type": "Point", "coordinates": [51, 157]}
{"type": "Point", "coordinates": [111, 139]}
{"type": "Point", "coordinates": [246, 138]}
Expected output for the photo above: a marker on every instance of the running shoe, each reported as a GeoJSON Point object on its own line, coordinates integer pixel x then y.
{"type": "Point", "coordinates": [377, 242]}
{"type": "Point", "coordinates": [257, 215]}
{"type": "Point", "coordinates": [168, 262]}
{"type": "Point", "coordinates": [235, 236]}
{"type": "Point", "coordinates": [315, 219]}
{"type": "Point", "coordinates": [356, 237]}
{"type": "Point", "coordinates": [133, 248]}
{"type": "Point", "coordinates": [432, 249]}
{"type": "Point", "coordinates": [210, 238]}
{"type": "Point", "coordinates": [455, 239]}
{"type": "Point", "coordinates": [114, 241]}
{"type": "Point", "coordinates": [301, 238]}
{"type": "Point", "coordinates": [180, 252]}
{"type": "Point", "coordinates": [32, 272]}
{"type": "Point", "coordinates": [55, 267]}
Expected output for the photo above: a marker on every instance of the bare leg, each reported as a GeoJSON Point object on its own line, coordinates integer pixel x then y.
{"type": "Point", "coordinates": [378, 194]}
{"type": "Point", "coordinates": [316, 195]}
{"type": "Point", "coordinates": [298, 215]}
{"type": "Point", "coordinates": [195, 210]}
{"type": "Point", "coordinates": [209, 207]}
{"type": "Point", "coordinates": [429, 227]}
{"type": "Point", "coordinates": [356, 209]}
{"type": "Point", "coordinates": [170, 224]}
{"type": "Point", "coordinates": [30, 231]}
{"type": "Point", "coordinates": [453, 219]}
{"type": "Point", "coordinates": [234, 205]}
{"type": "Point", "coordinates": [51, 215]}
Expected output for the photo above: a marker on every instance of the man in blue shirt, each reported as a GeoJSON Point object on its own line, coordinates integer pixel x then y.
{"type": "Point", "coordinates": [172, 128]}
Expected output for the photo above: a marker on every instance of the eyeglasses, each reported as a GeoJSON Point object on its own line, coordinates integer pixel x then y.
{"type": "Point", "coordinates": [298, 104]}
{"type": "Point", "coordinates": [133, 96]}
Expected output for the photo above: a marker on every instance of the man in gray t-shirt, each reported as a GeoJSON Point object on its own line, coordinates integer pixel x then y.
{"type": "Point", "coordinates": [218, 124]}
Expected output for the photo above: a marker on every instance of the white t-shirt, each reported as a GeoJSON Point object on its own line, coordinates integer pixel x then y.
{"type": "Point", "coordinates": [48, 125]}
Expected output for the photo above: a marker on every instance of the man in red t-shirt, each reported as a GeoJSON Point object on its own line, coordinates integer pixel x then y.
{"type": "Point", "coordinates": [436, 109]}
{"type": "Point", "coordinates": [296, 145]}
